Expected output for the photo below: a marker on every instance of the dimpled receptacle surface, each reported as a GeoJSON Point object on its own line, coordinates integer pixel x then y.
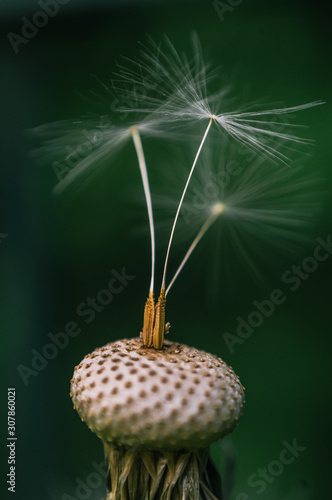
{"type": "Point", "coordinates": [174, 398]}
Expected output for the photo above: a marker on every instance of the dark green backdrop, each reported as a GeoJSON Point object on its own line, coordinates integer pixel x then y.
{"type": "Point", "coordinates": [59, 251]}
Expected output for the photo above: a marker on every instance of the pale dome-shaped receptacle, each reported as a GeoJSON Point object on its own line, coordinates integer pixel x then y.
{"type": "Point", "coordinates": [156, 410]}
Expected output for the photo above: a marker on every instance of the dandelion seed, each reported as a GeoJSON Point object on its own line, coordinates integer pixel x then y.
{"type": "Point", "coordinates": [168, 91]}
{"type": "Point", "coordinates": [262, 208]}
{"type": "Point", "coordinates": [149, 311]}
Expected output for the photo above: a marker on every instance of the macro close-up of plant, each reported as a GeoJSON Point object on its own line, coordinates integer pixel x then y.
{"type": "Point", "coordinates": [158, 405]}
{"type": "Point", "coordinates": [165, 250]}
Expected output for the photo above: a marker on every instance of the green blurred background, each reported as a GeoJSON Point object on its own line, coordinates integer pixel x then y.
{"type": "Point", "coordinates": [58, 251]}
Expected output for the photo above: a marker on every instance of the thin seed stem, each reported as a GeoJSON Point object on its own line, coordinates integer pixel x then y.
{"type": "Point", "coordinates": [217, 210]}
{"type": "Point", "coordinates": [145, 179]}
{"type": "Point", "coordinates": [181, 200]}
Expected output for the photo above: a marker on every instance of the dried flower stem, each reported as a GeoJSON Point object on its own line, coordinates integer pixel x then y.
{"type": "Point", "coordinates": [162, 475]}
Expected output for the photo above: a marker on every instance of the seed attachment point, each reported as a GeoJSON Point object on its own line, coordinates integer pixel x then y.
{"type": "Point", "coordinates": [218, 208]}
{"type": "Point", "coordinates": [148, 321]}
{"type": "Point", "coordinates": [159, 324]}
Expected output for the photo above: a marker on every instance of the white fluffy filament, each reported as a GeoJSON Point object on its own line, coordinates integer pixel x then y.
{"type": "Point", "coordinates": [181, 200]}
{"type": "Point", "coordinates": [218, 209]}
